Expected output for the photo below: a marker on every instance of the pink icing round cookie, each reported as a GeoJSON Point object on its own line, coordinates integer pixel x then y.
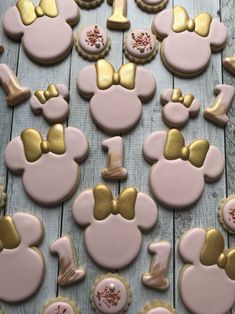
{"type": "Point", "coordinates": [140, 46]}
{"type": "Point", "coordinates": [113, 235]}
{"type": "Point", "coordinates": [152, 6]}
{"type": "Point", "coordinates": [44, 30]}
{"type": "Point", "coordinates": [49, 168]}
{"type": "Point", "coordinates": [158, 307]}
{"type": "Point", "coordinates": [187, 43]}
{"type": "Point", "coordinates": [227, 213]}
{"type": "Point", "coordinates": [60, 305]}
{"type": "Point", "coordinates": [179, 172]}
{"type": "Point", "coordinates": [127, 88]}
{"type": "Point", "coordinates": [207, 282]}
{"type": "Point", "coordinates": [92, 42]}
{"type": "Point", "coordinates": [22, 264]}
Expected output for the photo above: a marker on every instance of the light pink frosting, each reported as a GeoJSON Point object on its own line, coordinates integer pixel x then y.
{"type": "Point", "coordinates": [228, 214]}
{"type": "Point", "coordinates": [62, 306]}
{"type": "Point", "coordinates": [159, 310]}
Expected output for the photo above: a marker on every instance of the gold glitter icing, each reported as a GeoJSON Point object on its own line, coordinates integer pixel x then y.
{"type": "Point", "coordinates": [44, 95]}
{"type": "Point", "coordinates": [186, 100]}
{"type": "Point", "coordinates": [9, 238]}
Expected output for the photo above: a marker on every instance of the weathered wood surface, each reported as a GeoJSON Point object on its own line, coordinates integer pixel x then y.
{"type": "Point", "coordinates": [171, 224]}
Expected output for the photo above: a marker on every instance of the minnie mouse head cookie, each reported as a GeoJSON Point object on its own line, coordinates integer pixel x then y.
{"type": "Point", "coordinates": [207, 282]}
{"type": "Point", "coordinates": [187, 43]}
{"type": "Point", "coordinates": [22, 265]}
{"type": "Point", "coordinates": [113, 235]}
{"type": "Point", "coordinates": [49, 168]}
{"type": "Point", "coordinates": [126, 89]}
{"type": "Point", "coordinates": [179, 172]}
{"type": "Point", "coordinates": [44, 30]}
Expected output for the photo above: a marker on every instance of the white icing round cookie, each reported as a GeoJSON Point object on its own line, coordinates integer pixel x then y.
{"type": "Point", "coordinates": [227, 213]}
{"type": "Point", "coordinates": [22, 265]}
{"type": "Point", "coordinates": [152, 6]}
{"type": "Point", "coordinates": [45, 31]}
{"type": "Point", "coordinates": [49, 168]}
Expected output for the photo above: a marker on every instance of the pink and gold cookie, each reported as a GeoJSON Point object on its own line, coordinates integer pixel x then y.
{"type": "Point", "coordinates": [229, 64]}
{"type": "Point", "coordinates": [187, 44]}
{"type": "Point", "coordinates": [158, 307]}
{"type": "Point", "coordinates": [207, 280]}
{"type": "Point", "coordinates": [49, 167]}
{"type": "Point", "coordinates": [88, 4]}
{"type": "Point", "coordinates": [60, 305]}
{"type": "Point", "coordinates": [152, 6]}
{"type": "Point", "coordinates": [113, 235]}
{"type": "Point", "coordinates": [110, 294]}
{"type": "Point", "coordinates": [22, 263]}
{"type": "Point", "coordinates": [118, 20]}
{"type": "Point", "coordinates": [226, 213]}
{"type": "Point", "coordinates": [140, 46]}
{"type": "Point", "coordinates": [3, 196]}
{"type": "Point", "coordinates": [179, 172]}
{"type": "Point", "coordinates": [92, 42]}
{"type": "Point", "coordinates": [44, 30]}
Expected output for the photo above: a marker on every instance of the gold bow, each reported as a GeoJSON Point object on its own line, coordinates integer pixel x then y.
{"type": "Point", "coordinates": [29, 12]}
{"type": "Point", "coordinates": [106, 75]}
{"type": "Point", "coordinates": [9, 238]}
{"type": "Point", "coordinates": [200, 25]}
{"type": "Point", "coordinates": [213, 253]}
{"type": "Point", "coordinates": [35, 146]}
{"type": "Point", "coordinates": [44, 95]}
{"type": "Point", "coordinates": [175, 148]}
{"type": "Point", "coordinates": [186, 100]}
{"type": "Point", "coordinates": [105, 205]}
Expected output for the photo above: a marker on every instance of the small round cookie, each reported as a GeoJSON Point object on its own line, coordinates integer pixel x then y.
{"type": "Point", "coordinates": [140, 46]}
{"type": "Point", "coordinates": [110, 294]}
{"type": "Point", "coordinates": [88, 4]}
{"type": "Point", "coordinates": [226, 213]}
{"type": "Point", "coordinates": [158, 307]}
{"type": "Point", "coordinates": [152, 6]}
{"type": "Point", "coordinates": [59, 305]}
{"type": "Point", "coordinates": [92, 42]}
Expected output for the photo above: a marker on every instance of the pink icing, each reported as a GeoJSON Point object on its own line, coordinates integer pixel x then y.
{"type": "Point", "coordinates": [152, 2]}
{"type": "Point", "coordinates": [59, 308]}
{"type": "Point", "coordinates": [228, 214]}
{"type": "Point", "coordinates": [159, 310]}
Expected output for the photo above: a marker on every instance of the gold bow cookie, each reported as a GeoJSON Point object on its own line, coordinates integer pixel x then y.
{"type": "Point", "coordinates": [186, 100]}
{"type": "Point", "coordinates": [213, 253]}
{"type": "Point", "coordinates": [9, 238]}
{"type": "Point", "coordinates": [175, 148]}
{"type": "Point", "coordinates": [35, 146]}
{"type": "Point", "coordinates": [44, 95]}
{"type": "Point", "coordinates": [106, 205]}
{"type": "Point", "coordinates": [29, 12]}
{"type": "Point", "coordinates": [200, 25]}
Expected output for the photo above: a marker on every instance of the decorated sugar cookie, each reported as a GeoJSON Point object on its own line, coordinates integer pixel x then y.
{"type": "Point", "coordinates": [207, 282]}
{"type": "Point", "coordinates": [3, 196]}
{"type": "Point", "coordinates": [89, 4]}
{"type": "Point", "coordinates": [152, 6]}
{"type": "Point", "coordinates": [22, 264]}
{"type": "Point", "coordinates": [127, 88]}
{"type": "Point", "coordinates": [156, 278]}
{"type": "Point", "coordinates": [118, 20]}
{"type": "Point", "coordinates": [49, 167]}
{"type": "Point", "coordinates": [179, 172]}
{"type": "Point", "coordinates": [60, 305]}
{"type": "Point", "coordinates": [158, 307]}
{"type": "Point", "coordinates": [113, 234]}
{"type": "Point", "coordinates": [16, 93]}
{"type": "Point", "coordinates": [52, 103]}
{"type": "Point", "coordinates": [229, 64]}
{"type": "Point", "coordinates": [187, 43]}
{"type": "Point", "coordinates": [178, 108]}
{"type": "Point", "coordinates": [44, 30]}
{"type": "Point", "coordinates": [226, 213]}
{"type": "Point", "coordinates": [110, 294]}
{"type": "Point", "coordinates": [92, 42]}
{"type": "Point", "coordinates": [140, 46]}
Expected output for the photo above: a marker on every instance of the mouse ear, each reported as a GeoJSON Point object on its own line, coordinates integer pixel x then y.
{"type": "Point", "coordinates": [218, 35]}
{"type": "Point", "coordinates": [213, 164]}
{"type": "Point", "coordinates": [12, 23]}
{"type": "Point", "coordinates": [35, 104]}
{"type": "Point", "coordinates": [145, 84]}
{"type": "Point", "coordinates": [29, 228]}
{"type": "Point", "coordinates": [195, 107]}
{"type": "Point", "coordinates": [166, 96]}
{"type": "Point", "coordinates": [76, 143]}
{"type": "Point", "coordinates": [69, 10]}
{"type": "Point", "coordinates": [63, 91]}
{"type": "Point", "coordinates": [154, 146]}
{"type": "Point", "coordinates": [87, 81]}
{"type": "Point", "coordinates": [146, 211]}
{"type": "Point", "coordinates": [163, 23]}
{"type": "Point", "coordinates": [15, 156]}
{"type": "Point", "coordinates": [191, 244]}
{"type": "Point", "coordinates": [83, 208]}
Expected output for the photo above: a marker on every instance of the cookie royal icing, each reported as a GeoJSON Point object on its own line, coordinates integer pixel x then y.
{"type": "Point", "coordinates": [60, 305]}
{"type": "Point", "coordinates": [207, 283]}
{"type": "Point", "coordinates": [140, 46]}
{"type": "Point", "coordinates": [223, 101]}
{"type": "Point", "coordinates": [118, 20]}
{"type": "Point", "coordinates": [44, 30]}
{"type": "Point", "coordinates": [229, 64]}
{"type": "Point", "coordinates": [127, 88]}
{"type": "Point", "coordinates": [70, 273]}
{"type": "Point", "coordinates": [187, 43]}
{"type": "Point", "coordinates": [22, 264]}
{"type": "Point", "coordinates": [113, 235]}
{"type": "Point", "coordinates": [49, 167]}
{"type": "Point", "coordinates": [88, 4]}
{"type": "Point", "coordinates": [178, 108]}
{"type": "Point", "coordinates": [226, 213]}
{"type": "Point", "coordinates": [156, 278]}
{"type": "Point", "coordinates": [152, 6]}
{"type": "Point", "coordinates": [3, 196]}
{"type": "Point", "coordinates": [16, 93]}
{"type": "Point", "coordinates": [158, 307]}
{"type": "Point", "coordinates": [52, 103]}
{"type": "Point", "coordinates": [179, 172]}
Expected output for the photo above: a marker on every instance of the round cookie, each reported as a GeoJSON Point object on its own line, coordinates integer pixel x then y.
{"type": "Point", "coordinates": [88, 4]}
{"type": "Point", "coordinates": [152, 6]}
{"type": "Point", "coordinates": [140, 46]}
{"type": "Point", "coordinates": [92, 42]}
{"type": "Point", "coordinates": [158, 307]}
{"type": "Point", "coordinates": [226, 213]}
{"type": "Point", "coordinates": [3, 196]}
{"type": "Point", "coordinates": [59, 305]}
{"type": "Point", "coordinates": [110, 294]}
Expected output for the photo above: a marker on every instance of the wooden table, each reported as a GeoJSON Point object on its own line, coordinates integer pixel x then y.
{"type": "Point", "coordinates": [171, 224]}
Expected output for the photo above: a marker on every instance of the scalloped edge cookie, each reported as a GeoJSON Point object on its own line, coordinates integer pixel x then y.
{"type": "Point", "coordinates": [152, 8]}
{"type": "Point", "coordinates": [89, 5]}
{"type": "Point", "coordinates": [220, 213]}
{"type": "Point", "coordinates": [59, 299]}
{"type": "Point", "coordinates": [155, 304]}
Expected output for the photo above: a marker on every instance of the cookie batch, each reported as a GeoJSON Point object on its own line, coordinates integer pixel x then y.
{"type": "Point", "coordinates": [114, 226]}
